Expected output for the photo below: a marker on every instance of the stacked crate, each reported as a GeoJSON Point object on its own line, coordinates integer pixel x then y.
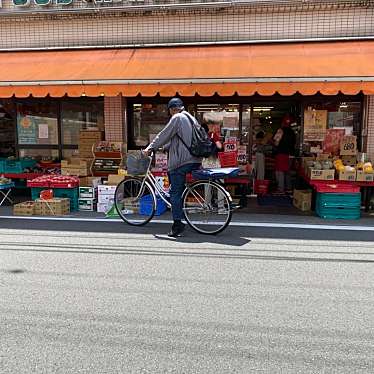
{"type": "Point", "coordinates": [86, 140]}
{"type": "Point", "coordinates": [87, 198]}
{"type": "Point", "coordinates": [343, 202]}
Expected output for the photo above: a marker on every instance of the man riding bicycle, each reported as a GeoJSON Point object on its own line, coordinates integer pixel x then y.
{"type": "Point", "coordinates": [173, 138]}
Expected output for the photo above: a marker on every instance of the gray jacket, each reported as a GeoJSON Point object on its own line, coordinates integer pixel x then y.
{"type": "Point", "coordinates": [178, 126]}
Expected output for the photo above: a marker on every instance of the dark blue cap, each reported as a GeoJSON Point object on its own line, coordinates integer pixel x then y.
{"type": "Point", "coordinates": [175, 102]}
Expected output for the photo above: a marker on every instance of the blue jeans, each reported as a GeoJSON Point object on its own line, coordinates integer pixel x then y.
{"type": "Point", "coordinates": [177, 178]}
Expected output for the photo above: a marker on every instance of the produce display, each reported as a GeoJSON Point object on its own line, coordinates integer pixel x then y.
{"type": "Point", "coordinates": [366, 167]}
{"type": "Point", "coordinates": [54, 181]}
{"type": "Point", "coordinates": [4, 181]}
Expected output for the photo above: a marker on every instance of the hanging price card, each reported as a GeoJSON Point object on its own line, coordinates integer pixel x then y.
{"type": "Point", "coordinates": [348, 145]}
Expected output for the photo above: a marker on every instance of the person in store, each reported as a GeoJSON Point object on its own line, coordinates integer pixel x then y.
{"type": "Point", "coordinates": [284, 141]}
{"type": "Point", "coordinates": [180, 161]}
{"type": "Point", "coordinates": [260, 155]}
{"type": "Point", "coordinates": [212, 161]}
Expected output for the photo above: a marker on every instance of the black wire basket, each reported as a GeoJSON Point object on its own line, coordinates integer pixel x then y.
{"type": "Point", "coordinates": [137, 163]}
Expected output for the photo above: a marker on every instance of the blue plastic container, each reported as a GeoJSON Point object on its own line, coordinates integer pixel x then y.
{"type": "Point", "coordinates": [17, 166]}
{"type": "Point", "coordinates": [146, 205]}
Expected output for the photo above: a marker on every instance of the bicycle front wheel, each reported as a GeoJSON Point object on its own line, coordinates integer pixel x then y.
{"type": "Point", "coordinates": [135, 201]}
{"type": "Point", "coordinates": [207, 207]}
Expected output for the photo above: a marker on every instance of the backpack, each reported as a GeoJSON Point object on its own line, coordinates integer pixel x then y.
{"type": "Point", "coordinates": [201, 144]}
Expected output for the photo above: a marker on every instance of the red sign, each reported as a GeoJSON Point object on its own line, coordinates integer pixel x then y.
{"type": "Point", "coordinates": [332, 141]}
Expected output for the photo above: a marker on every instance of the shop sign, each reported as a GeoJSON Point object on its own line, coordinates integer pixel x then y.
{"type": "Point", "coordinates": [315, 124]}
{"type": "Point", "coordinates": [27, 130]}
{"type": "Point", "coordinates": [348, 145]}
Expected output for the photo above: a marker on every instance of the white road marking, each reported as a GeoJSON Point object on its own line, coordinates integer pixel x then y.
{"type": "Point", "coordinates": [233, 223]}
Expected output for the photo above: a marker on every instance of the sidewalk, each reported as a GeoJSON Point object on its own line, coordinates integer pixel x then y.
{"type": "Point", "coordinates": [242, 217]}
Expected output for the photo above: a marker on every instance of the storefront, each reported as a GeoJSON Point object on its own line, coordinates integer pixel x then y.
{"type": "Point", "coordinates": [243, 93]}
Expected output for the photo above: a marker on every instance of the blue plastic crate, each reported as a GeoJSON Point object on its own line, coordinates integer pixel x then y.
{"type": "Point", "coordinates": [146, 205]}
{"type": "Point", "coordinates": [70, 193]}
{"type": "Point", "coordinates": [274, 200]}
{"type": "Point", "coordinates": [339, 200]}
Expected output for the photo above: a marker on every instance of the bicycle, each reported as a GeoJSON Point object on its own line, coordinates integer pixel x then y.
{"type": "Point", "coordinates": [207, 206]}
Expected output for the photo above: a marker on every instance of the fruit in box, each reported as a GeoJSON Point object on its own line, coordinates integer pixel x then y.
{"type": "Point", "coordinates": [368, 168]}
{"type": "Point", "coordinates": [349, 168]}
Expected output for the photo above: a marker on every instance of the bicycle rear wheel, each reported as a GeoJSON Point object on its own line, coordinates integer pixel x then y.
{"type": "Point", "coordinates": [207, 207]}
{"type": "Point", "coordinates": [135, 201]}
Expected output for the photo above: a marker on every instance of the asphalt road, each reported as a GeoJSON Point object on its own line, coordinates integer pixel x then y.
{"type": "Point", "coordinates": [99, 298]}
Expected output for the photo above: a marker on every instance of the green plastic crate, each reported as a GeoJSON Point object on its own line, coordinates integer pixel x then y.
{"type": "Point", "coordinates": [70, 193]}
{"type": "Point", "coordinates": [339, 200]}
{"type": "Point", "coordinates": [338, 213]}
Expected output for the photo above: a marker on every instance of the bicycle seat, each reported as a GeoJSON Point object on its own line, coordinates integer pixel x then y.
{"type": "Point", "coordinates": [215, 173]}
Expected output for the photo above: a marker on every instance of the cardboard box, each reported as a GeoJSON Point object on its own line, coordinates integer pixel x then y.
{"type": "Point", "coordinates": [326, 175]}
{"type": "Point", "coordinates": [349, 160]}
{"type": "Point", "coordinates": [88, 134]}
{"type": "Point", "coordinates": [89, 181]}
{"type": "Point", "coordinates": [103, 207]}
{"type": "Point", "coordinates": [347, 176]}
{"type": "Point", "coordinates": [54, 207]}
{"type": "Point", "coordinates": [364, 177]}
{"type": "Point", "coordinates": [104, 189]}
{"type": "Point", "coordinates": [304, 162]}
{"type": "Point", "coordinates": [87, 192]}
{"type": "Point", "coordinates": [24, 209]}
{"type": "Point", "coordinates": [88, 205]}
{"type": "Point", "coordinates": [115, 179]}
{"type": "Point", "coordinates": [302, 199]}
{"type": "Point", "coordinates": [75, 166]}
{"type": "Point", "coordinates": [106, 199]}
{"type": "Point", "coordinates": [323, 157]}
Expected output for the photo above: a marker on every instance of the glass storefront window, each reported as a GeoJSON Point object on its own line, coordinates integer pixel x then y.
{"type": "Point", "coordinates": [78, 116]}
{"type": "Point", "coordinates": [148, 121]}
{"type": "Point", "coordinates": [40, 154]}
{"type": "Point", "coordinates": [7, 133]}
{"type": "Point", "coordinates": [341, 115]}
{"type": "Point", "coordinates": [37, 123]}
{"type": "Point", "coordinates": [330, 120]}
{"type": "Point", "coordinates": [222, 119]}
{"type": "Point", "coordinates": [68, 153]}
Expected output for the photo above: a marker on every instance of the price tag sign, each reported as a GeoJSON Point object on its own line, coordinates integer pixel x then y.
{"type": "Point", "coordinates": [230, 147]}
{"type": "Point", "coordinates": [348, 145]}
{"type": "Point", "coordinates": [242, 154]}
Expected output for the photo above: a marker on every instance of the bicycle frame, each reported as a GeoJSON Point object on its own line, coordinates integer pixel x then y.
{"type": "Point", "coordinates": [158, 190]}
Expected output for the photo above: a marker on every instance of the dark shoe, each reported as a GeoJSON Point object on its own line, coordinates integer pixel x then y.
{"type": "Point", "coordinates": [177, 230]}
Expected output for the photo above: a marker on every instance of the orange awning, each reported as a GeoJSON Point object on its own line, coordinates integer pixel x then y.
{"type": "Point", "coordinates": [307, 68]}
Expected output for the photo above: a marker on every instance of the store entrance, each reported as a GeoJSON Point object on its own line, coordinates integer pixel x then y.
{"type": "Point", "coordinates": [275, 144]}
